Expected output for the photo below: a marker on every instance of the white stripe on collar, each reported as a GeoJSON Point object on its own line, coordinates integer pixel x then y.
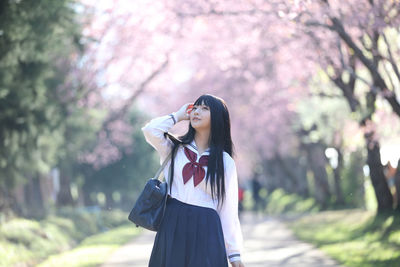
{"type": "Point", "coordinates": [193, 145]}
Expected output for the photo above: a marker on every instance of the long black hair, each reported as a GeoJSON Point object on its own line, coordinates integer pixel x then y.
{"type": "Point", "coordinates": [220, 141]}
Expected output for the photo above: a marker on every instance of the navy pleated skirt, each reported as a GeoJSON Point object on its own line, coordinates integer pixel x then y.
{"type": "Point", "coordinates": [189, 236]}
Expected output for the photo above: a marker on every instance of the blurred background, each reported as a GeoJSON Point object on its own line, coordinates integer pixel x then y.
{"type": "Point", "coordinates": [313, 90]}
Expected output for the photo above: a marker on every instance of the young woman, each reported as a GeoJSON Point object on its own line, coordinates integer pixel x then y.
{"type": "Point", "coordinates": [201, 225]}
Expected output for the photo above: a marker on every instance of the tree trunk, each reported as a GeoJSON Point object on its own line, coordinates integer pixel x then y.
{"type": "Point", "coordinates": [382, 191]}
{"type": "Point", "coordinates": [87, 201]}
{"type": "Point", "coordinates": [269, 176]}
{"type": "Point", "coordinates": [317, 162]}
{"type": "Point", "coordinates": [64, 197]}
{"type": "Point", "coordinates": [303, 186]}
{"type": "Point", "coordinates": [109, 200]}
{"type": "Point", "coordinates": [33, 198]}
{"type": "Point", "coordinates": [397, 182]}
{"type": "Point", "coordinates": [284, 176]}
{"type": "Point", "coordinates": [337, 174]}
{"type": "Point", "coordinates": [294, 174]}
{"type": "Point", "coordinates": [87, 190]}
{"type": "Point", "coordinates": [8, 202]}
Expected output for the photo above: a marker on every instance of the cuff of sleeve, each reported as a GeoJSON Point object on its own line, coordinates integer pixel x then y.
{"type": "Point", "coordinates": [234, 257]}
{"type": "Point", "coordinates": [173, 117]}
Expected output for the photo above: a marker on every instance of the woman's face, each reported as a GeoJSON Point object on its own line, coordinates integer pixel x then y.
{"type": "Point", "coordinates": [200, 117]}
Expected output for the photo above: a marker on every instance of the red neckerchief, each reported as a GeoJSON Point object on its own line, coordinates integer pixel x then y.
{"type": "Point", "coordinates": [193, 168]}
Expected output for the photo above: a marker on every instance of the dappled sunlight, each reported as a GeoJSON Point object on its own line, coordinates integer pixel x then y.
{"type": "Point", "coordinates": [313, 92]}
{"type": "Point", "coordinates": [268, 242]}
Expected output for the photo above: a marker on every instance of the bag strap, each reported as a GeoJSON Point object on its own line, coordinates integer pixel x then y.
{"type": "Point", "coordinates": [163, 165]}
{"type": "Point", "coordinates": [157, 176]}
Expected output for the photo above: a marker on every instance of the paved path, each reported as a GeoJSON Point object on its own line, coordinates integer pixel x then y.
{"type": "Point", "coordinates": [268, 243]}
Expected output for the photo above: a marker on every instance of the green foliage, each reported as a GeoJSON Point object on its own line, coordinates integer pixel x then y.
{"type": "Point", "coordinates": [127, 176]}
{"type": "Point", "coordinates": [353, 237]}
{"type": "Point", "coordinates": [112, 219]}
{"type": "Point", "coordinates": [394, 238]}
{"type": "Point", "coordinates": [67, 225]}
{"type": "Point", "coordinates": [21, 230]}
{"type": "Point", "coordinates": [86, 221]}
{"type": "Point", "coordinates": [322, 111]}
{"type": "Point", "coordinates": [31, 240]}
{"type": "Point", "coordinates": [35, 37]}
{"type": "Point", "coordinates": [28, 241]}
{"type": "Point", "coordinates": [279, 202]}
{"type": "Point", "coordinates": [11, 253]}
{"type": "Point", "coordinates": [371, 202]}
{"type": "Point", "coordinates": [352, 180]}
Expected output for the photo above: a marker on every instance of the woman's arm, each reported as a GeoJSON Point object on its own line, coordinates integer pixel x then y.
{"type": "Point", "coordinates": [229, 214]}
{"type": "Point", "coordinates": [154, 131]}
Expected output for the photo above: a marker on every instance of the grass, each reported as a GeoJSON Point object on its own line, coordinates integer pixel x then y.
{"type": "Point", "coordinates": [279, 202]}
{"type": "Point", "coordinates": [94, 250]}
{"type": "Point", "coordinates": [25, 242]}
{"type": "Point", "coordinates": [354, 238]}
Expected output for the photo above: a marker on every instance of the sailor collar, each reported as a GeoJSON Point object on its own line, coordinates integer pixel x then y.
{"type": "Point", "coordinates": [192, 146]}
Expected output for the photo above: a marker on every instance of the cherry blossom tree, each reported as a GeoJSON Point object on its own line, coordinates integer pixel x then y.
{"type": "Point", "coordinates": [359, 54]}
{"type": "Point", "coordinates": [116, 68]}
{"type": "Point", "coordinates": [259, 56]}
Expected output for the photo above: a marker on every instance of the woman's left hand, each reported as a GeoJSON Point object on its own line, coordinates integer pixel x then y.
{"type": "Point", "coordinates": [237, 264]}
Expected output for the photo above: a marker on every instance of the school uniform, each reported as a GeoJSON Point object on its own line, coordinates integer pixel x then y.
{"type": "Point", "coordinates": [195, 230]}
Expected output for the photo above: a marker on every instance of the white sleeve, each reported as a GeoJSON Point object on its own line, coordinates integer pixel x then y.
{"type": "Point", "coordinates": [154, 133]}
{"type": "Point", "coordinates": [229, 214]}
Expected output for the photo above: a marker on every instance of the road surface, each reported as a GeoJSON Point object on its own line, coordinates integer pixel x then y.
{"type": "Point", "coordinates": [267, 243]}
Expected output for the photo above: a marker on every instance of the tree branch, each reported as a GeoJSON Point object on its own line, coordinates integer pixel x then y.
{"type": "Point", "coordinates": [213, 12]}
{"type": "Point", "coordinates": [122, 111]}
{"type": "Point", "coordinates": [379, 82]}
{"type": "Point", "coordinates": [391, 59]}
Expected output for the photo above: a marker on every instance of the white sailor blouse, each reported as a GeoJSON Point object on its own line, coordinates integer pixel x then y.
{"type": "Point", "coordinates": [189, 185]}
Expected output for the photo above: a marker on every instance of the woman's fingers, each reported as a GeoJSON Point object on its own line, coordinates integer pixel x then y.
{"type": "Point", "coordinates": [184, 111]}
{"type": "Point", "coordinates": [189, 109]}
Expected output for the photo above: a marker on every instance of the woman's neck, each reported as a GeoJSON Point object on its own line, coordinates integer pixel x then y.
{"type": "Point", "coordinates": [201, 139]}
